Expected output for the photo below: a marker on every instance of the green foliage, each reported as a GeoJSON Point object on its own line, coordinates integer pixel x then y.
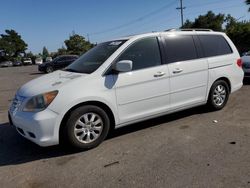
{"type": "Point", "coordinates": [76, 44]}
{"type": "Point", "coordinates": [12, 43]}
{"type": "Point", "coordinates": [29, 55]}
{"type": "Point", "coordinates": [239, 32]}
{"type": "Point", "coordinates": [45, 52]}
{"type": "Point", "coordinates": [208, 21]}
{"type": "Point", "coordinates": [62, 51]}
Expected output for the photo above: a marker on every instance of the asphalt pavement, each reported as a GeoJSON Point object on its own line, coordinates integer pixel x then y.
{"type": "Point", "coordinates": [192, 148]}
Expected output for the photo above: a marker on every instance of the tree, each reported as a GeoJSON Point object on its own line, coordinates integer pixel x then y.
{"type": "Point", "coordinates": [29, 54]}
{"type": "Point", "coordinates": [208, 21]}
{"type": "Point", "coordinates": [12, 43]}
{"type": "Point", "coordinates": [62, 51]}
{"type": "Point", "coordinates": [187, 24]}
{"type": "Point", "coordinates": [239, 33]}
{"type": "Point", "coordinates": [77, 44]}
{"type": "Point", "coordinates": [248, 3]}
{"type": "Point", "coordinates": [45, 52]}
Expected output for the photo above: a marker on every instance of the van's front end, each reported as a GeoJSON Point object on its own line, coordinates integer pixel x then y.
{"type": "Point", "coordinates": [39, 106]}
{"type": "Point", "coordinates": [30, 110]}
{"type": "Point", "coordinates": [32, 120]}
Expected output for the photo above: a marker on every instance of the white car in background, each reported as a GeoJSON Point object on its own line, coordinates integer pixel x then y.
{"type": "Point", "coordinates": [48, 59]}
{"type": "Point", "coordinates": [39, 61]}
{"type": "Point", "coordinates": [27, 61]}
{"type": "Point", "coordinates": [246, 64]}
{"type": "Point", "coordinates": [124, 81]}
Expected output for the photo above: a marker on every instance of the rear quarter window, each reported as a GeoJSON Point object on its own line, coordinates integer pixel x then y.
{"type": "Point", "coordinates": [214, 45]}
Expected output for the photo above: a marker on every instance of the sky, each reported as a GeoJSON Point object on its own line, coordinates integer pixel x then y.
{"type": "Point", "coordinates": [49, 22]}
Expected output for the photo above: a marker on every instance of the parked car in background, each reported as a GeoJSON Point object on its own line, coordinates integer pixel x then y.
{"type": "Point", "coordinates": [27, 61]}
{"type": "Point", "coordinates": [246, 64]}
{"type": "Point", "coordinates": [48, 59]}
{"type": "Point", "coordinates": [39, 61]}
{"type": "Point", "coordinates": [6, 64]}
{"type": "Point", "coordinates": [17, 63]}
{"type": "Point", "coordinates": [124, 81]}
{"type": "Point", "coordinates": [59, 62]}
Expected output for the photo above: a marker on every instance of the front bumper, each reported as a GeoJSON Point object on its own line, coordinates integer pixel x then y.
{"type": "Point", "coordinates": [37, 127]}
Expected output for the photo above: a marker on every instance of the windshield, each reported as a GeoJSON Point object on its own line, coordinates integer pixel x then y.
{"type": "Point", "coordinates": [94, 58]}
{"type": "Point", "coordinates": [54, 60]}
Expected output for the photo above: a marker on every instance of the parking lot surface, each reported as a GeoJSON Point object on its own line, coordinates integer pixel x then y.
{"type": "Point", "coordinates": [192, 148]}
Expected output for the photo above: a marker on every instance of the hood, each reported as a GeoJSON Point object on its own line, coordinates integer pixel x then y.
{"type": "Point", "coordinates": [48, 82]}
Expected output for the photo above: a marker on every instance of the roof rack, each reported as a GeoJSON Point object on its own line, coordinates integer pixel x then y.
{"type": "Point", "coordinates": [190, 29]}
{"type": "Point", "coordinates": [196, 29]}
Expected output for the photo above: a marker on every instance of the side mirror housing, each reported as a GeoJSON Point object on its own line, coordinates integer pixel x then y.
{"type": "Point", "coordinates": [123, 66]}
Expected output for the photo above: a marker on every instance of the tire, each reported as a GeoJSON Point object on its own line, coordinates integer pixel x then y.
{"type": "Point", "coordinates": [49, 69]}
{"type": "Point", "coordinates": [81, 132]}
{"type": "Point", "coordinates": [218, 95]}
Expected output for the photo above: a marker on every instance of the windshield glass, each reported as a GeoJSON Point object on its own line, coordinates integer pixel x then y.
{"type": "Point", "coordinates": [54, 60]}
{"type": "Point", "coordinates": [94, 58]}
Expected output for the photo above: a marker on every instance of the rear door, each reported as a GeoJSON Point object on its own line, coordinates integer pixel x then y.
{"type": "Point", "coordinates": [145, 90]}
{"type": "Point", "coordinates": [188, 71]}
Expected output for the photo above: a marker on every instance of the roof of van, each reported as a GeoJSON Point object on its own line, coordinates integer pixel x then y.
{"type": "Point", "coordinates": [173, 31]}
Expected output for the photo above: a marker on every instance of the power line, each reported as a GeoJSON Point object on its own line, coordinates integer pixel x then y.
{"type": "Point", "coordinates": [181, 8]}
{"type": "Point", "coordinates": [139, 19]}
{"type": "Point", "coordinates": [147, 16]}
{"type": "Point", "coordinates": [194, 5]}
{"type": "Point", "coordinates": [173, 18]}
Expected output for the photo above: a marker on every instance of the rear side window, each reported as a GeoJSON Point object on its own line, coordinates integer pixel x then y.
{"type": "Point", "coordinates": [144, 54]}
{"type": "Point", "coordinates": [214, 45]}
{"type": "Point", "coordinates": [180, 48]}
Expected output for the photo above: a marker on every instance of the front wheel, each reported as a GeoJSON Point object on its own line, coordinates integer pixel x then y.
{"type": "Point", "coordinates": [87, 127]}
{"type": "Point", "coordinates": [218, 95]}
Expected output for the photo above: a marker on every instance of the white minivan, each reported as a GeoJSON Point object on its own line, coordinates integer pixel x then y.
{"type": "Point", "coordinates": [124, 81]}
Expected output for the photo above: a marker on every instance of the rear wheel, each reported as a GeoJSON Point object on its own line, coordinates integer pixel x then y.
{"type": "Point", "coordinates": [86, 127]}
{"type": "Point", "coordinates": [218, 95]}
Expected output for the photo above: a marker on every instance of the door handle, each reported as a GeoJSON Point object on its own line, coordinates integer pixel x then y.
{"type": "Point", "coordinates": [159, 74]}
{"type": "Point", "coordinates": [176, 71]}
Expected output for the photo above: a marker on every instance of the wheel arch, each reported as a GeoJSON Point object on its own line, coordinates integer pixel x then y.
{"type": "Point", "coordinates": [224, 79]}
{"type": "Point", "coordinates": [220, 78]}
{"type": "Point", "coordinates": [102, 105]}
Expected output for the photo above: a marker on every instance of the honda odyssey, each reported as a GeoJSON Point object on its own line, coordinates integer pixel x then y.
{"type": "Point", "coordinates": [124, 81]}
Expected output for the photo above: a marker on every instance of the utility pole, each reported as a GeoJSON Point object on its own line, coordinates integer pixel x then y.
{"type": "Point", "coordinates": [181, 8]}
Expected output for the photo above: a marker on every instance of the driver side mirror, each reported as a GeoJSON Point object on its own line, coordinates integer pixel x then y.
{"type": "Point", "coordinates": [123, 66]}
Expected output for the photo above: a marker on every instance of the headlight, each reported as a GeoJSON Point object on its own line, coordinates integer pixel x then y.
{"type": "Point", "coordinates": [40, 102]}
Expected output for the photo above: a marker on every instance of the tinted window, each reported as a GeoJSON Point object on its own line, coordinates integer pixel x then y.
{"type": "Point", "coordinates": [214, 45]}
{"type": "Point", "coordinates": [144, 53]}
{"type": "Point", "coordinates": [94, 58]}
{"type": "Point", "coordinates": [180, 48]}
